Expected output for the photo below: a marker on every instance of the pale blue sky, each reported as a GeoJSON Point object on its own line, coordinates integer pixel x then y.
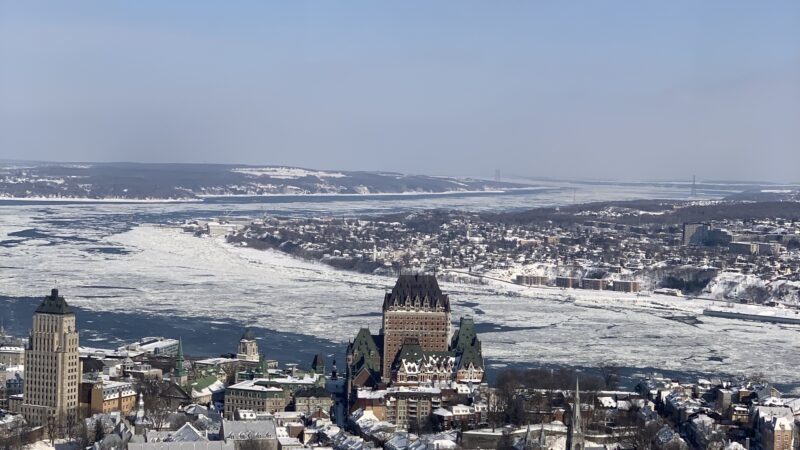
{"type": "Point", "coordinates": [606, 89]}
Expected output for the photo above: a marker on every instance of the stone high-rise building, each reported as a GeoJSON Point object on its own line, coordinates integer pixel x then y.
{"type": "Point", "coordinates": [52, 367]}
{"type": "Point", "coordinates": [415, 308]}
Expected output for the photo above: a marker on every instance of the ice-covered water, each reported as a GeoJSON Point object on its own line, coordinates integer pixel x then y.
{"type": "Point", "coordinates": [112, 258]}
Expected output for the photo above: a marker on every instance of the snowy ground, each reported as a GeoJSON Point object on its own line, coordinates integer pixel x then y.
{"type": "Point", "coordinates": [165, 271]}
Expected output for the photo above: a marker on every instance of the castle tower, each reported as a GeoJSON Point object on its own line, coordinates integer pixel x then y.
{"type": "Point", "coordinates": [575, 432]}
{"type": "Point", "coordinates": [416, 308]}
{"type": "Point", "coordinates": [52, 367]}
{"type": "Point", "coordinates": [248, 348]}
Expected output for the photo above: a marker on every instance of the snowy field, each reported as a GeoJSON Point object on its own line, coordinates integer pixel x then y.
{"type": "Point", "coordinates": [102, 262]}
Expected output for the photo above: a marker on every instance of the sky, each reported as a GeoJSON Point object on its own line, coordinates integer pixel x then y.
{"type": "Point", "coordinates": [587, 89]}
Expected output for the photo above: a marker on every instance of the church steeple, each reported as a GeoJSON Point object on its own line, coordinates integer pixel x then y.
{"type": "Point", "coordinates": [542, 437]}
{"type": "Point", "coordinates": [575, 433]}
{"type": "Point", "coordinates": [180, 368]}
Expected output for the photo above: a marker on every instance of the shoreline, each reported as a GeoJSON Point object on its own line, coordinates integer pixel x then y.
{"type": "Point", "coordinates": [204, 197]}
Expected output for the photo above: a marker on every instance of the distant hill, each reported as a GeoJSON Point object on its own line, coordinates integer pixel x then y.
{"type": "Point", "coordinates": [193, 181]}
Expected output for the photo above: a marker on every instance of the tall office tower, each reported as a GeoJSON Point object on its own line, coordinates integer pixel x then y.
{"type": "Point", "coordinates": [52, 367]}
{"type": "Point", "coordinates": [415, 308]}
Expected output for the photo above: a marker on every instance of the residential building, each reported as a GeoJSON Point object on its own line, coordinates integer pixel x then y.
{"type": "Point", "coordinates": [311, 400]}
{"type": "Point", "coordinates": [100, 396]}
{"type": "Point", "coordinates": [774, 427]}
{"type": "Point", "coordinates": [12, 356]}
{"type": "Point", "coordinates": [410, 408]}
{"type": "Point", "coordinates": [594, 284]}
{"type": "Point", "coordinates": [743, 248]}
{"type": "Point", "coordinates": [156, 346]}
{"type": "Point", "coordinates": [255, 395]}
{"type": "Point", "coordinates": [694, 233]}
{"type": "Point", "coordinates": [626, 286]}
{"type": "Point", "coordinates": [567, 282]}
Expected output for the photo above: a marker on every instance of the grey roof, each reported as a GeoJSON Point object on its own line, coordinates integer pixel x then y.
{"type": "Point", "coordinates": [202, 445]}
{"type": "Point", "coordinates": [421, 289]}
{"type": "Point", "coordinates": [234, 430]}
{"type": "Point", "coordinates": [54, 304]}
{"type": "Point", "coordinates": [316, 391]}
{"type": "Point", "coordinates": [186, 433]}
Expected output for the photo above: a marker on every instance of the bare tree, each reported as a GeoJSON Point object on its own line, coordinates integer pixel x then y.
{"type": "Point", "coordinates": [99, 430]}
{"type": "Point", "coordinates": [11, 440]}
{"type": "Point", "coordinates": [61, 426]}
{"type": "Point", "coordinates": [495, 410]}
{"type": "Point", "coordinates": [71, 425]}
{"type": "Point", "coordinates": [230, 372]}
{"type": "Point", "coordinates": [81, 434]}
{"type": "Point", "coordinates": [157, 412]}
{"type": "Point", "coordinates": [51, 428]}
{"type": "Point", "coordinates": [643, 435]}
{"type": "Point", "coordinates": [610, 376]}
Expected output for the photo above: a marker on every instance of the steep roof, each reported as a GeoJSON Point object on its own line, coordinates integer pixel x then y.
{"type": "Point", "coordinates": [465, 335]}
{"type": "Point", "coordinates": [413, 356]}
{"type": "Point", "coordinates": [318, 363]}
{"type": "Point", "coordinates": [467, 345]}
{"type": "Point", "coordinates": [364, 344]}
{"type": "Point", "coordinates": [234, 430]}
{"type": "Point", "coordinates": [202, 383]}
{"type": "Point", "coordinates": [248, 335]}
{"type": "Point", "coordinates": [54, 304]}
{"type": "Point", "coordinates": [410, 351]}
{"type": "Point", "coordinates": [417, 290]}
{"type": "Point", "coordinates": [366, 354]}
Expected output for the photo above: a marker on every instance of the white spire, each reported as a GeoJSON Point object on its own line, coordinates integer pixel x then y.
{"type": "Point", "coordinates": [542, 437]}
{"type": "Point", "coordinates": [140, 411]}
{"type": "Point", "coordinates": [577, 442]}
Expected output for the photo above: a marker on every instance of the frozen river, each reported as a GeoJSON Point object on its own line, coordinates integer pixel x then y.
{"type": "Point", "coordinates": [114, 259]}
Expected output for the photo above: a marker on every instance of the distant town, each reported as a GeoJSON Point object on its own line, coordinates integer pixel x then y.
{"type": "Point", "coordinates": [737, 252]}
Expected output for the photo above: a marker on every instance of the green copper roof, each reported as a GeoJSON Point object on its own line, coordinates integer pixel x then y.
{"type": "Point", "coordinates": [202, 383]}
{"type": "Point", "coordinates": [465, 334]}
{"type": "Point", "coordinates": [365, 352]}
{"type": "Point", "coordinates": [54, 304]}
{"type": "Point", "coordinates": [466, 343]}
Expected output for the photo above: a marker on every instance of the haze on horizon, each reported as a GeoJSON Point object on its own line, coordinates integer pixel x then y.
{"type": "Point", "coordinates": [640, 90]}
